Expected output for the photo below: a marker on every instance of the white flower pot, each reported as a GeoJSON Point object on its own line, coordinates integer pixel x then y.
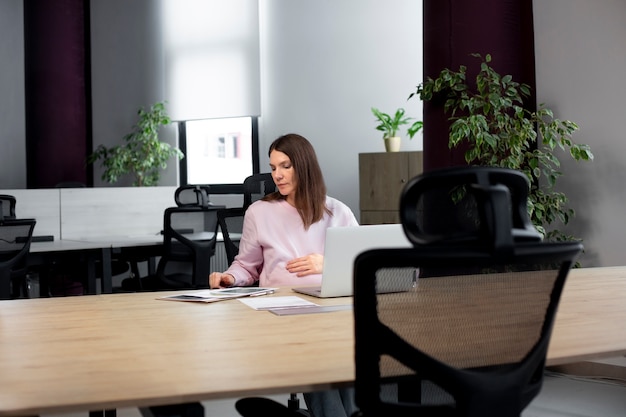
{"type": "Point", "coordinates": [392, 144]}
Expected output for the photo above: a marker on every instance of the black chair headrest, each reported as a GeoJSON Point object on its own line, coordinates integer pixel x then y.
{"type": "Point", "coordinates": [192, 195]}
{"type": "Point", "coordinates": [484, 206]}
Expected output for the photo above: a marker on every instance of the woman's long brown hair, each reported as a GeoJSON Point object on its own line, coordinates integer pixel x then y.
{"type": "Point", "coordinates": [310, 199]}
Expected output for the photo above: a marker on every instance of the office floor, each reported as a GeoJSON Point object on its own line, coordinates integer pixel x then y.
{"type": "Point", "coordinates": [568, 396]}
{"type": "Point", "coordinates": [561, 396]}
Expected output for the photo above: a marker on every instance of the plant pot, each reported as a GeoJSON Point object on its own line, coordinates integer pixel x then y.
{"type": "Point", "coordinates": [392, 144]}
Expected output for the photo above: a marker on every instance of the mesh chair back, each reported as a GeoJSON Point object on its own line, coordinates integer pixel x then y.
{"type": "Point", "coordinates": [231, 226]}
{"type": "Point", "coordinates": [15, 238]}
{"type": "Point", "coordinates": [189, 237]}
{"type": "Point", "coordinates": [480, 336]}
{"type": "Point", "coordinates": [7, 206]}
{"type": "Point", "coordinates": [477, 325]}
{"type": "Point", "coordinates": [257, 186]}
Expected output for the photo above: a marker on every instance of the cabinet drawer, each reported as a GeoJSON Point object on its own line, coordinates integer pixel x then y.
{"type": "Point", "coordinates": [382, 176]}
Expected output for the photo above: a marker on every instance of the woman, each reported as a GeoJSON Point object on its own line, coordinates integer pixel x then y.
{"type": "Point", "coordinates": [282, 241]}
{"type": "Point", "coordinates": [283, 234]}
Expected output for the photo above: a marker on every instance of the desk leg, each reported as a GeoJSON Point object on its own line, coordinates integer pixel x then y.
{"type": "Point", "coordinates": [5, 285]}
{"type": "Point", "coordinates": [151, 266]}
{"type": "Point", "coordinates": [44, 282]}
{"type": "Point", "coordinates": [104, 413]}
{"type": "Point", "coordinates": [107, 273]}
{"type": "Point", "coordinates": [91, 274]}
{"type": "Point", "coordinates": [175, 410]}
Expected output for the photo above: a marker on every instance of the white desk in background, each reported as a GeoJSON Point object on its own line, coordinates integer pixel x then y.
{"type": "Point", "coordinates": [46, 253]}
{"type": "Point", "coordinates": [96, 222]}
{"type": "Point", "coordinates": [72, 213]}
{"type": "Point", "coordinates": [99, 249]}
{"type": "Point", "coordinates": [113, 211]}
{"type": "Point", "coordinates": [103, 248]}
{"type": "Point", "coordinates": [141, 247]}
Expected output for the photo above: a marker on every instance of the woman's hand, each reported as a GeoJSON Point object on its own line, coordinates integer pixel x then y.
{"type": "Point", "coordinates": [306, 265]}
{"type": "Point", "coordinates": [221, 280]}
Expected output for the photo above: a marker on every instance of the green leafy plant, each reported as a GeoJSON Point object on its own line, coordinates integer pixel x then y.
{"type": "Point", "coordinates": [143, 155]}
{"type": "Point", "coordinates": [391, 125]}
{"type": "Point", "coordinates": [490, 120]}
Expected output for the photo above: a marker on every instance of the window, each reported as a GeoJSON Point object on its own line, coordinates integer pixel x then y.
{"type": "Point", "coordinates": [212, 80]}
{"type": "Point", "coordinates": [219, 152]}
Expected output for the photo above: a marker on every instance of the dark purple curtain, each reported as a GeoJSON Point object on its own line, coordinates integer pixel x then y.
{"type": "Point", "coordinates": [58, 115]}
{"type": "Point", "coordinates": [455, 28]}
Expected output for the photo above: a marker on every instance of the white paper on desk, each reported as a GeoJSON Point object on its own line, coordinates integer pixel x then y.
{"type": "Point", "coordinates": [211, 296]}
{"type": "Point", "coordinates": [272, 303]}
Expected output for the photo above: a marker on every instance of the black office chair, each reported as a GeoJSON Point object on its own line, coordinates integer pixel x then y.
{"type": "Point", "coordinates": [15, 239]}
{"type": "Point", "coordinates": [21, 284]}
{"type": "Point", "coordinates": [471, 338]}
{"type": "Point", "coordinates": [475, 331]}
{"type": "Point", "coordinates": [183, 245]}
{"type": "Point", "coordinates": [257, 186]}
{"type": "Point", "coordinates": [231, 226]}
{"type": "Point", "coordinates": [184, 196]}
{"type": "Point", "coordinates": [180, 244]}
{"type": "Point", "coordinates": [7, 206]}
{"type": "Point", "coordinates": [189, 239]}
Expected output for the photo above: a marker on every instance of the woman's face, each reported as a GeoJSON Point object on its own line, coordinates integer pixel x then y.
{"type": "Point", "coordinates": [283, 175]}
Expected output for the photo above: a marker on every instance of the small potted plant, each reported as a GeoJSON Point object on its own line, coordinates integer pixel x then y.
{"type": "Point", "coordinates": [391, 125]}
{"type": "Point", "coordinates": [143, 155]}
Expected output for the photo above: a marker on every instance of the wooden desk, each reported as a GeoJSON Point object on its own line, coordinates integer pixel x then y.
{"type": "Point", "coordinates": [591, 320]}
{"type": "Point", "coordinates": [130, 350]}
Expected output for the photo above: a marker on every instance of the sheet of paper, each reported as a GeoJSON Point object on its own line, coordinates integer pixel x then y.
{"type": "Point", "coordinates": [210, 296]}
{"type": "Point", "coordinates": [272, 303]}
{"type": "Point", "coordinates": [310, 310]}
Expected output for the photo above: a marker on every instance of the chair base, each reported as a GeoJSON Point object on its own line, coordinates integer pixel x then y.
{"type": "Point", "coordinates": [175, 410]}
{"type": "Point", "coordinates": [259, 406]}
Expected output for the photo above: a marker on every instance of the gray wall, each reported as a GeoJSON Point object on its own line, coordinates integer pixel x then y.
{"type": "Point", "coordinates": [12, 101]}
{"type": "Point", "coordinates": [324, 63]}
{"type": "Point", "coordinates": [127, 73]}
{"type": "Point", "coordinates": [580, 50]}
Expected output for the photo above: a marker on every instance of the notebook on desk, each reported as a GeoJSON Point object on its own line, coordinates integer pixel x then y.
{"type": "Point", "coordinates": [342, 246]}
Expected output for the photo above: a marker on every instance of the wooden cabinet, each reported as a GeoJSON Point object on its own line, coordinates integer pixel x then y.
{"type": "Point", "coordinates": [382, 176]}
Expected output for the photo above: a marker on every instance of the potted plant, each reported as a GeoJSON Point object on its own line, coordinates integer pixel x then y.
{"type": "Point", "coordinates": [143, 155]}
{"type": "Point", "coordinates": [390, 125]}
{"type": "Point", "coordinates": [497, 130]}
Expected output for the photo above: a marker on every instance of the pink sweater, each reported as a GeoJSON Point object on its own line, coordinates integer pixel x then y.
{"type": "Point", "coordinates": [273, 234]}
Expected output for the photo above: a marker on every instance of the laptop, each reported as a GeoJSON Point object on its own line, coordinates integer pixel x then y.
{"type": "Point", "coordinates": [342, 246]}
